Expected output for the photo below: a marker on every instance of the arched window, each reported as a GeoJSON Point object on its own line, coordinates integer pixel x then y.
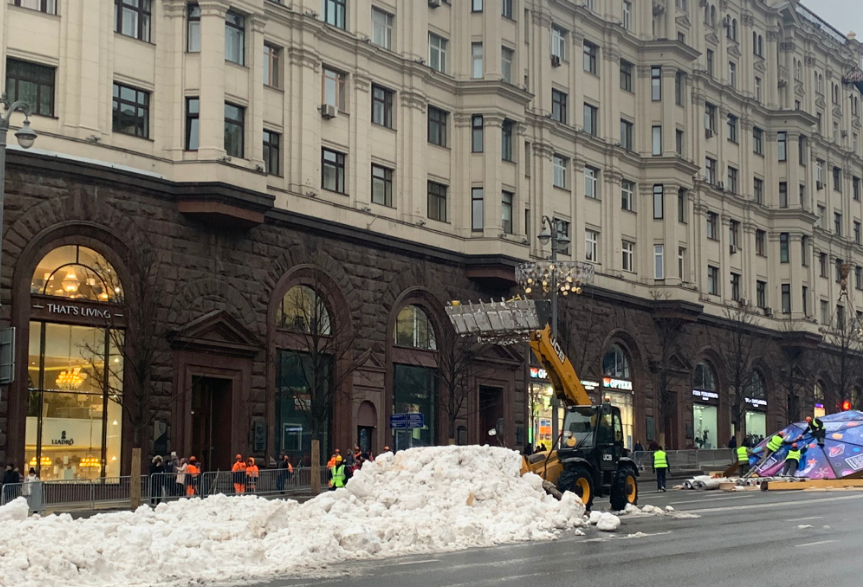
{"type": "Point", "coordinates": [757, 389]}
{"type": "Point", "coordinates": [77, 273]}
{"type": "Point", "coordinates": [303, 310]}
{"type": "Point", "coordinates": [414, 329]}
{"type": "Point", "coordinates": [615, 364]}
{"type": "Point", "coordinates": [819, 392]}
{"type": "Point", "coordinates": [705, 379]}
{"type": "Point", "coordinates": [713, 16]}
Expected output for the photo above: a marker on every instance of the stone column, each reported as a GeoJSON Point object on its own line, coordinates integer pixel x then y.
{"type": "Point", "coordinates": [212, 91]}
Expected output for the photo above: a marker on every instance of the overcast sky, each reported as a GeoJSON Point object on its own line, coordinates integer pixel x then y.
{"type": "Point", "coordinates": [845, 15]}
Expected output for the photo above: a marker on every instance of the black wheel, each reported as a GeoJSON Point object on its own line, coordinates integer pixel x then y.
{"type": "Point", "coordinates": [577, 479]}
{"type": "Point", "coordinates": [624, 490]}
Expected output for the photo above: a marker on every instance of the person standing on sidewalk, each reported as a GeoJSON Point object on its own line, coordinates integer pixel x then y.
{"type": "Point", "coordinates": [338, 475]}
{"type": "Point", "coordinates": [286, 471]}
{"type": "Point", "coordinates": [180, 479]}
{"type": "Point", "coordinates": [238, 472]}
{"type": "Point", "coordinates": [32, 490]}
{"type": "Point", "coordinates": [743, 458]}
{"type": "Point", "coordinates": [660, 466]}
{"type": "Point", "coordinates": [251, 475]}
{"type": "Point", "coordinates": [157, 472]}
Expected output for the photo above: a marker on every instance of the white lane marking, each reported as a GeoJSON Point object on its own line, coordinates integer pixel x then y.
{"type": "Point", "coordinates": [815, 543]}
{"type": "Point", "coordinates": [773, 505]}
{"type": "Point", "coordinates": [710, 499]}
{"type": "Point", "coordinates": [804, 519]}
{"type": "Point", "coordinates": [431, 560]}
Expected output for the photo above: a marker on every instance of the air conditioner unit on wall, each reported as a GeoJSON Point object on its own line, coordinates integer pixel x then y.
{"type": "Point", "coordinates": [329, 111]}
{"type": "Point", "coordinates": [768, 311]}
{"type": "Point", "coordinates": [555, 61]}
{"type": "Point", "coordinates": [819, 185]}
{"type": "Point", "coordinates": [733, 249]}
{"type": "Point", "coordinates": [708, 132]}
{"type": "Point", "coordinates": [434, 3]}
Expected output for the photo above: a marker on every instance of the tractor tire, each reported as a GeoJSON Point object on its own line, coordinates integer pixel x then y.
{"type": "Point", "coordinates": [624, 490]}
{"type": "Point", "coordinates": [578, 480]}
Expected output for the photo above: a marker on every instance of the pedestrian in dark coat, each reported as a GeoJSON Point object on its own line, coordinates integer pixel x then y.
{"type": "Point", "coordinates": [157, 468]}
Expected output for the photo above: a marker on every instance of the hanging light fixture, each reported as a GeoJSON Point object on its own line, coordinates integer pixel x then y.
{"type": "Point", "coordinates": [71, 283]}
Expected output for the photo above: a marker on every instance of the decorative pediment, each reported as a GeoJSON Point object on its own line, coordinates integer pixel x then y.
{"type": "Point", "coordinates": [759, 66]}
{"type": "Point", "coordinates": [712, 38]}
{"type": "Point", "coordinates": [855, 122]}
{"type": "Point", "coordinates": [798, 88]}
{"type": "Point", "coordinates": [837, 112]}
{"type": "Point", "coordinates": [216, 331]}
{"type": "Point", "coordinates": [819, 101]}
{"type": "Point", "coordinates": [734, 51]}
{"type": "Point", "coordinates": [683, 21]}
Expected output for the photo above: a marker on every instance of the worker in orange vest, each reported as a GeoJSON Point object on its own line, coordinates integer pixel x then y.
{"type": "Point", "coordinates": [251, 475]}
{"type": "Point", "coordinates": [332, 462]}
{"type": "Point", "coordinates": [192, 471]}
{"type": "Point", "coordinates": [239, 474]}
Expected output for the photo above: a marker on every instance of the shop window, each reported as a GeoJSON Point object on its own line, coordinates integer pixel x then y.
{"type": "Point", "coordinates": [414, 329]}
{"type": "Point", "coordinates": [414, 393]}
{"type": "Point", "coordinates": [300, 400]}
{"type": "Point", "coordinates": [303, 310]}
{"type": "Point", "coordinates": [615, 364]}
{"type": "Point", "coordinates": [78, 273]}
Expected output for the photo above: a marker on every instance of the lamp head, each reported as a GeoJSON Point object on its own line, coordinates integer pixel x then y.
{"type": "Point", "coordinates": [562, 240]}
{"type": "Point", "coordinates": [26, 136]}
{"type": "Point", "coordinates": [544, 236]}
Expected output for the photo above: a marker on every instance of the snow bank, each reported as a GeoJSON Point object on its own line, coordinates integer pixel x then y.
{"type": "Point", "coordinates": [652, 510]}
{"type": "Point", "coordinates": [417, 501]}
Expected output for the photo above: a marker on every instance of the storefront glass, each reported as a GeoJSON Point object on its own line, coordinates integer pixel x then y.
{"type": "Point", "coordinates": [756, 426]}
{"type": "Point", "coordinates": [295, 382]}
{"type": "Point", "coordinates": [704, 420]}
{"type": "Point", "coordinates": [414, 393]}
{"type": "Point", "coordinates": [541, 413]}
{"type": "Point", "coordinates": [67, 408]}
{"type": "Point", "coordinates": [624, 402]}
{"type": "Point", "coordinates": [618, 388]}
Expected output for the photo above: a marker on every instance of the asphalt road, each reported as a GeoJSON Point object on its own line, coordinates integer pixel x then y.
{"type": "Point", "coordinates": [747, 538]}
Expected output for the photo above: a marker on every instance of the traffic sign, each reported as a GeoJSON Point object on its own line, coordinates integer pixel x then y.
{"type": "Point", "coordinates": [400, 421]}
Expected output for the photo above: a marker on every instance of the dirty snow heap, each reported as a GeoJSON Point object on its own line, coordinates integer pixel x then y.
{"type": "Point", "coordinates": [418, 501]}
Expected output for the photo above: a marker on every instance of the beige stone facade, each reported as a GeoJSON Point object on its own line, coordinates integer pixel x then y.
{"type": "Point", "coordinates": [787, 75]}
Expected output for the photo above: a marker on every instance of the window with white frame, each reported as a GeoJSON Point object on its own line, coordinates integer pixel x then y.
{"type": "Point", "coordinates": [658, 202]}
{"type": "Point", "coordinates": [506, 59]}
{"type": "Point", "coordinates": [627, 15]}
{"type": "Point", "coordinates": [681, 263]}
{"type": "Point", "coordinates": [658, 261]}
{"type": "Point", "coordinates": [627, 195]}
{"type": "Point", "coordinates": [591, 175]}
{"type": "Point", "coordinates": [591, 238]}
{"type": "Point", "coordinates": [656, 141]}
{"type": "Point", "coordinates": [558, 42]}
{"type": "Point", "coordinates": [437, 52]}
{"type": "Point", "coordinates": [382, 28]}
{"type": "Point", "coordinates": [560, 166]}
{"type": "Point", "coordinates": [627, 249]}
{"type": "Point", "coordinates": [476, 60]}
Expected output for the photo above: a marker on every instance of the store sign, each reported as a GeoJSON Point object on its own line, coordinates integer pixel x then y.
{"type": "Point", "coordinates": [590, 385]}
{"type": "Point", "coordinates": [537, 373]}
{"type": "Point", "coordinates": [621, 384]}
{"type": "Point", "coordinates": [705, 395]}
{"type": "Point", "coordinates": [63, 440]}
{"type": "Point", "coordinates": [759, 403]}
{"type": "Point", "coordinates": [73, 310]}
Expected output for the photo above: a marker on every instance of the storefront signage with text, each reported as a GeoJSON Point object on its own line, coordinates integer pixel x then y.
{"type": "Point", "coordinates": [706, 395]}
{"type": "Point", "coordinates": [621, 384]}
{"type": "Point", "coordinates": [83, 311]}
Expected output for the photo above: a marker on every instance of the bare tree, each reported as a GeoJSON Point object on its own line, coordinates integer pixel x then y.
{"type": "Point", "coordinates": [738, 353]}
{"type": "Point", "coordinates": [456, 376]}
{"type": "Point", "coordinates": [796, 366]}
{"type": "Point", "coordinates": [321, 365]}
{"type": "Point", "coordinates": [580, 331]}
{"type": "Point", "coordinates": [669, 329]}
{"type": "Point", "coordinates": [842, 354]}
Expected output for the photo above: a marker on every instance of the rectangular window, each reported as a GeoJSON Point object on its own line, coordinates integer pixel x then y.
{"type": "Point", "coordinates": [857, 233]}
{"type": "Point", "coordinates": [783, 247]}
{"type": "Point", "coordinates": [656, 141]}
{"type": "Point", "coordinates": [735, 286]}
{"type": "Point", "coordinates": [563, 230]}
{"type": "Point", "coordinates": [382, 186]}
{"type": "Point", "coordinates": [31, 83]}
{"type": "Point", "coordinates": [781, 139]}
{"type": "Point", "coordinates": [819, 173]}
{"type": "Point", "coordinates": [626, 135]}
{"type": "Point", "coordinates": [804, 251]}
{"type": "Point", "coordinates": [558, 43]}
{"type": "Point", "coordinates": [678, 88]}
{"type": "Point", "coordinates": [382, 106]}
{"type": "Point", "coordinates": [761, 243]}
{"type": "Point", "coordinates": [437, 126]}
{"type": "Point", "coordinates": [758, 188]}
{"type": "Point", "coordinates": [734, 233]}
{"type": "Point", "coordinates": [786, 298]}
{"type": "Point", "coordinates": [822, 264]}
{"type": "Point", "coordinates": [333, 171]}
{"type": "Point", "coordinates": [805, 300]}
{"type": "Point", "coordinates": [802, 150]}
{"type": "Point", "coordinates": [658, 262]}
{"type": "Point", "coordinates": [193, 28]}
{"type": "Point", "coordinates": [437, 196]}
{"type": "Point", "coordinates": [757, 140]}
{"type": "Point", "coordinates": [506, 202]}
{"type": "Point", "coordinates": [235, 38]}
{"type": "Point", "coordinates": [783, 194]}
{"type": "Point", "coordinates": [802, 196]}
{"type": "Point", "coordinates": [46, 6]}
{"type": "Point", "coordinates": [858, 277]}
{"type": "Point", "coordinates": [272, 156]}
{"type": "Point", "coordinates": [476, 60]}
{"type": "Point", "coordinates": [193, 113]}
{"type": "Point", "coordinates": [838, 266]}
{"type": "Point", "coordinates": [837, 223]}
{"type": "Point", "coordinates": [437, 52]}
{"type": "Point", "coordinates": [334, 13]}
{"type": "Point", "coordinates": [477, 132]}
{"type": "Point", "coordinates": [272, 56]}
{"type": "Point", "coordinates": [710, 118]}
{"type": "Point", "coordinates": [627, 15]}
{"type": "Point", "coordinates": [835, 132]}
{"type": "Point", "coordinates": [732, 180]}
{"type": "Point", "coordinates": [825, 312]}
{"type": "Point", "coordinates": [476, 209]}
{"type": "Point", "coordinates": [506, 59]}
{"type": "Point", "coordinates": [855, 186]}
{"type": "Point", "coordinates": [658, 202]}
{"type": "Point", "coordinates": [591, 176]}
{"type": "Point", "coordinates": [235, 123]}
{"type": "Point", "coordinates": [732, 74]}
{"type": "Point", "coordinates": [681, 205]}
{"type": "Point", "coordinates": [591, 119]}
{"type": "Point", "coordinates": [131, 111]}
{"type": "Point", "coordinates": [476, 6]}
{"type": "Point", "coordinates": [710, 62]}
{"type": "Point", "coordinates": [382, 28]}
{"type": "Point", "coordinates": [681, 263]}
{"type": "Point", "coordinates": [732, 128]}
{"type": "Point", "coordinates": [560, 166]}
{"type": "Point", "coordinates": [837, 179]}
{"type": "Point", "coordinates": [678, 142]}
{"type": "Point", "coordinates": [506, 140]}
{"type": "Point", "coordinates": [656, 83]}
{"type": "Point", "coordinates": [757, 89]}
{"type": "Point", "coordinates": [590, 51]}
{"type": "Point", "coordinates": [625, 75]}
{"type": "Point", "coordinates": [591, 253]}
{"type": "Point", "coordinates": [713, 280]}
{"type": "Point", "coordinates": [558, 106]}
{"type": "Point", "coordinates": [710, 170]}
{"type": "Point", "coordinates": [506, 8]}
{"type": "Point", "coordinates": [761, 294]}
{"type": "Point", "coordinates": [712, 226]}
{"type": "Point", "coordinates": [334, 88]}
{"type": "Point", "coordinates": [132, 18]}
{"type": "Point", "coordinates": [628, 253]}
{"type": "Point", "coordinates": [627, 195]}
{"type": "Point", "coordinates": [818, 123]}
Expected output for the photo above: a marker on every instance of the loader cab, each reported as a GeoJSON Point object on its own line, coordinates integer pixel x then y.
{"type": "Point", "coordinates": [596, 432]}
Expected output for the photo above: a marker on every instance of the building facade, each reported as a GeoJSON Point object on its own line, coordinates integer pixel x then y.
{"type": "Point", "coordinates": [372, 159]}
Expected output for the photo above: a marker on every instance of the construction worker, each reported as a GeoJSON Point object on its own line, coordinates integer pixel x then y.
{"type": "Point", "coordinates": [660, 466]}
{"type": "Point", "coordinates": [251, 475]}
{"type": "Point", "coordinates": [792, 460]}
{"type": "Point", "coordinates": [816, 429]}
{"type": "Point", "coordinates": [192, 471]}
{"type": "Point", "coordinates": [743, 459]}
{"type": "Point", "coordinates": [332, 462]}
{"type": "Point", "coordinates": [239, 474]}
{"type": "Point", "coordinates": [337, 474]}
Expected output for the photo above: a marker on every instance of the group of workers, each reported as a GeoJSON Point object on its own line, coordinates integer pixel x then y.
{"type": "Point", "coordinates": [342, 469]}
{"type": "Point", "coordinates": [244, 474]}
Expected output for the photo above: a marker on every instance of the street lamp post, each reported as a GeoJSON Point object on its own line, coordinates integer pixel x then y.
{"type": "Point", "coordinates": [26, 136]}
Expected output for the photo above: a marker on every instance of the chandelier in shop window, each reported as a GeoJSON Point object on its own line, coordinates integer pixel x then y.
{"type": "Point", "coordinates": [71, 379]}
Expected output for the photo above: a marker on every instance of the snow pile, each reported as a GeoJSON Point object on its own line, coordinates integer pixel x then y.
{"type": "Point", "coordinates": [607, 522]}
{"type": "Point", "coordinates": [418, 501]}
{"type": "Point", "coordinates": [651, 510]}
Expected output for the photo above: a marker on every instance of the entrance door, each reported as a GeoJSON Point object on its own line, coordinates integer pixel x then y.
{"type": "Point", "coordinates": [364, 437]}
{"type": "Point", "coordinates": [212, 423]}
{"type": "Point", "coordinates": [490, 414]}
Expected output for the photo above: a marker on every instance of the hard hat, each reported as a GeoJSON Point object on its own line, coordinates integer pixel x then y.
{"type": "Point", "coordinates": [794, 445]}
{"type": "Point", "coordinates": [808, 418]}
{"type": "Point", "coordinates": [782, 434]}
{"type": "Point", "coordinates": [338, 459]}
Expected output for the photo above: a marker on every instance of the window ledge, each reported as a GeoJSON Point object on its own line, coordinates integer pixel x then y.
{"type": "Point", "coordinates": [131, 38]}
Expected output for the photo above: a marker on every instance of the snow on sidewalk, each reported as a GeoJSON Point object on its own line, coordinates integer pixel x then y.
{"type": "Point", "coordinates": [420, 500]}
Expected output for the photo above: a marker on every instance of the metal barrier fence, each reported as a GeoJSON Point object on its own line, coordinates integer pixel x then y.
{"type": "Point", "coordinates": [115, 492]}
{"type": "Point", "coordinates": [682, 461]}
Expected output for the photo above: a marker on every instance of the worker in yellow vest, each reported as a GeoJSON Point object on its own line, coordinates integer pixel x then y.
{"type": "Point", "coordinates": [792, 460]}
{"type": "Point", "coordinates": [660, 466]}
{"type": "Point", "coordinates": [743, 459]}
